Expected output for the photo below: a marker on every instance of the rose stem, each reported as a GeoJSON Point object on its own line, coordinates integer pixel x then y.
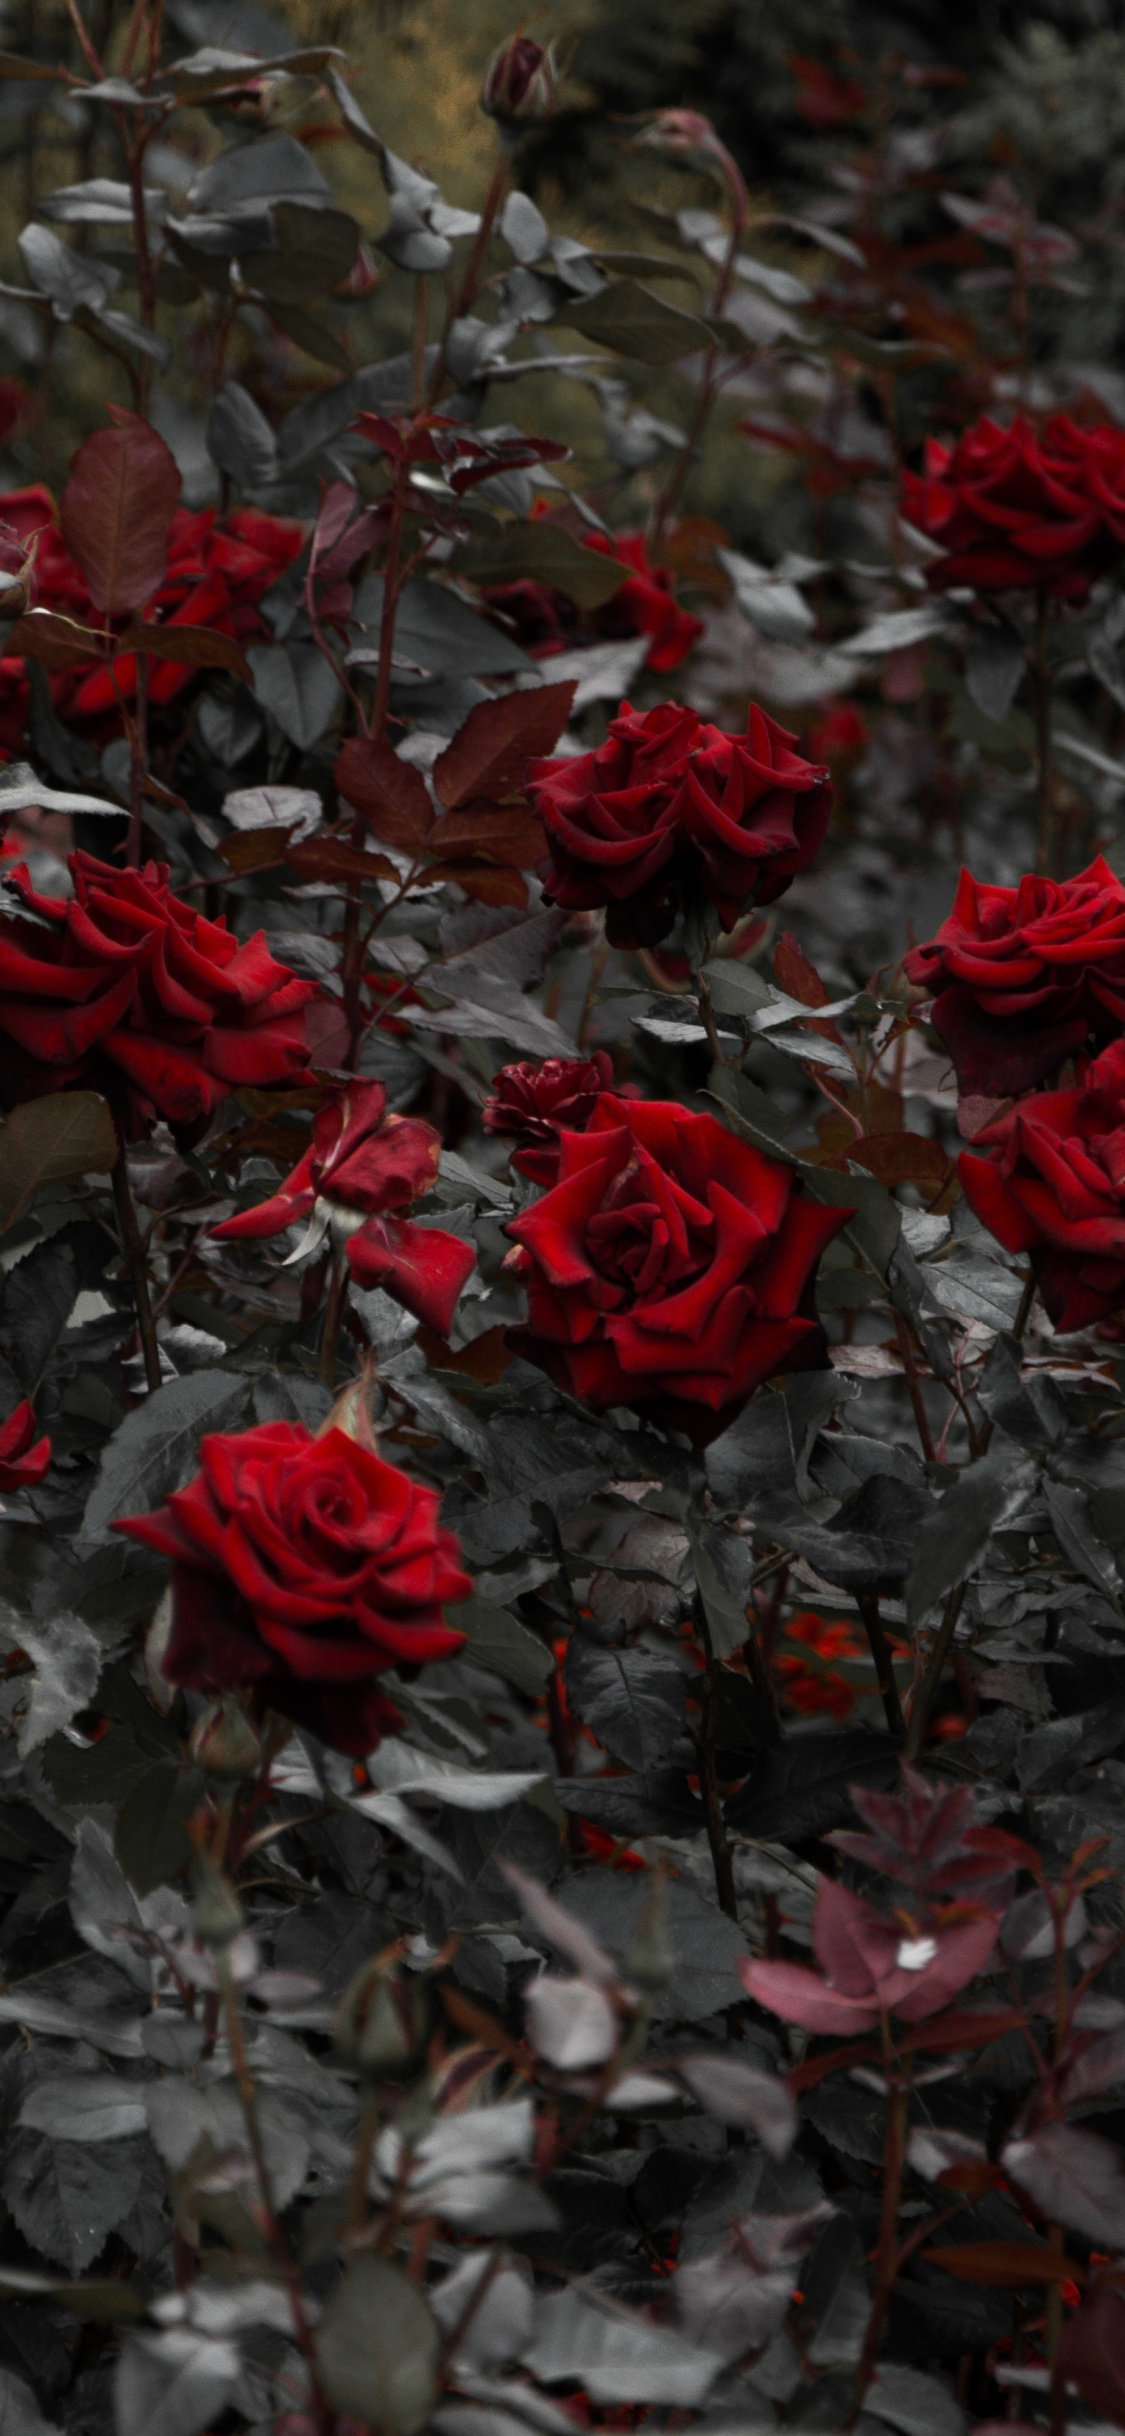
{"type": "Point", "coordinates": [134, 1251]}
{"type": "Point", "coordinates": [868, 1604]}
{"type": "Point", "coordinates": [1041, 712]}
{"type": "Point", "coordinates": [333, 1318]}
{"type": "Point", "coordinates": [707, 1014]}
{"type": "Point", "coordinates": [887, 2261]}
{"type": "Point", "coordinates": [721, 1856]}
{"type": "Point", "coordinates": [138, 760]}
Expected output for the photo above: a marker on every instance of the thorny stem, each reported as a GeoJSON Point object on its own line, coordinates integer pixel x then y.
{"type": "Point", "coordinates": [138, 763]}
{"type": "Point", "coordinates": [722, 1858]}
{"type": "Point", "coordinates": [1039, 672]}
{"type": "Point", "coordinates": [927, 1692]}
{"type": "Point", "coordinates": [323, 2418]}
{"type": "Point", "coordinates": [868, 1603]}
{"type": "Point", "coordinates": [392, 578]}
{"type": "Point", "coordinates": [914, 1383]}
{"type": "Point", "coordinates": [134, 1251]}
{"type": "Point", "coordinates": [333, 1318]}
{"type": "Point", "coordinates": [886, 2256]}
{"type": "Point", "coordinates": [470, 284]}
{"type": "Point", "coordinates": [709, 384]}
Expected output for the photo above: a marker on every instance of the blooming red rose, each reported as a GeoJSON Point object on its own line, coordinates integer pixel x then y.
{"type": "Point", "coordinates": [216, 576]}
{"type": "Point", "coordinates": [533, 1102]}
{"type": "Point", "coordinates": [670, 807]}
{"type": "Point", "coordinates": [671, 1267]}
{"type": "Point", "coordinates": [22, 1464]}
{"type": "Point", "coordinates": [1020, 509]}
{"type": "Point", "coordinates": [871, 1965]}
{"type": "Point", "coordinates": [1051, 1181]}
{"type": "Point", "coordinates": [1021, 977]}
{"type": "Point", "coordinates": [547, 621]}
{"type": "Point", "coordinates": [361, 1163]}
{"type": "Point", "coordinates": [302, 1569]}
{"type": "Point", "coordinates": [124, 986]}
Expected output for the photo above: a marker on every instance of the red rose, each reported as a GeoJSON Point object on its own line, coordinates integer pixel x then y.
{"type": "Point", "coordinates": [216, 576]}
{"type": "Point", "coordinates": [533, 1102]}
{"type": "Point", "coordinates": [1022, 976]}
{"type": "Point", "coordinates": [1052, 1183]}
{"type": "Point", "coordinates": [360, 1163]}
{"type": "Point", "coordinates": [302, 1569]}
{"type": "Point", "coordinates": [671, 1266]}
{"type": "Point", "coordinates": [125, 987]}
{"type": "Point", "coordinates": [670, 807]}
{"type": "Point", "coordinates": [547, 621]}
{"type": "Point", "coordinates": [22, 1465]}
{"type": "Point", "coordinates": [646, 603]}
{"type": "Point", "coordinates": [1020, 508]}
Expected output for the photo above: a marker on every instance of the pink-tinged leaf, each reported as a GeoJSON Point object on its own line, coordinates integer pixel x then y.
{"type": "Point", "coordinates": [961, 1952]}
{"type": "Point", "coordinates": [1074, 2178]}
{"type": "Point", "coordinates": [801, 1996]}
{"type": "Point", "coordinates": [1100, 2065]}
{"type": "Point", "coordinates": [490, 753]}
{"type": "Point", "coordinates": [116, 512]}
{"type": "Point", "coordinates": [853, 1944]}
{"type": "Point", "coordinates": [1004, 2266]}
{"type": "Point", "coordinates": [59, 642]}
{"type": "Point", "coordinates": [390, 793]}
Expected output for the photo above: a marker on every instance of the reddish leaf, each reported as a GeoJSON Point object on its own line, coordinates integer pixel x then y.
{"type": "Point", "coordinates": [58, 641]}
{"type": "Point", "coordinates": [390, 793]}
{"type": "Point", "coordinates": [901, 1158]}
{"type": "Point", "coordinates": [1005, 2265]}
{"type": "Point", "coordinates": [490, 753]}
{"type": "Point", "coordinates": [190, 646]}
{"type": "Point", "coordinates": [254, 849]}
{"type": "Point", "coordinates": [498, 833]}
{"type": "Point", "coordinates": [952, 2032]}
{"type": "Point", "coordinates": [117, 510]}
{"type": "Point", "coordinates": [332, 858]}
{"type": "Point", "coordinates": [795, 975]}
{"type": "Point", "coordinates": [486, 883]}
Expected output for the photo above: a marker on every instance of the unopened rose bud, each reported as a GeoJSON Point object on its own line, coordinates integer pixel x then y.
{"type": "Point", "coordinates": [380, 2022]}
{"type": "Point", "coordinates": [224, 1743]}
{"type": "Point", "coordinates": [217, 1916]}
{"type": "Point", "coordinates": [520, 81]}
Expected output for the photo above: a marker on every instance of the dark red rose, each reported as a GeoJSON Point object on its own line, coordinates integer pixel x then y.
{"type": "Point", "coordinates": [671, 1267]}
{"type": "Point", "coordinates": [669, 807]}
{"type": "Point", "coordinates": [360, 1164]}
{"type": "Point", "coordinates": [1021, 977]}
{"type": "Point", "coordinates": [302, 1568]}
{"type": "Point", "coordinates": [520, 79]}
{"type": "Point", "coordinates": [1051, 1181]}
{"type": "Point", "coordinates": [533, 1102]}
{"type": "Point", "coordinates": [22, 1463]}
{"type": "Point", "coordinates": [127, 988]}
{"type": "Point", "coordinates": [546, 621]}
{"type": "Point", "coordinates": [1021, 509]}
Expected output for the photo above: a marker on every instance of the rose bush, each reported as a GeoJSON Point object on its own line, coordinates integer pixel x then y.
{"type": "Point", "coordinates": [670, 806]}
{"type": "Point", "coordinates": [670, 1267]}
{"type": "Point", "coordinates": [127, 988]}
{"type": "Point", "coordinates": [1018, 509]}
{"type": "Point", "coordinates": [534, 1103]}
{"type": "Point", "coordinates": [302, 1568]}
{"type": "Point", "coordinates": [1049, 1178]}
{"type": "Point", "coordinates": [360, 1164]}
{"type": "Point", "coordinates": [1022, 977]}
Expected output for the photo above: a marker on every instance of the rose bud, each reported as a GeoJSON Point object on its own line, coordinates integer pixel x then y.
{"type": "Point", "coordinates": [380, 2022]}
{"type": "Point", "coordinates": [520, 81]}
{"type": "Point", "coordinates": [217, 1916]}
{"type": "Point", "coordinates": [224, 1743]}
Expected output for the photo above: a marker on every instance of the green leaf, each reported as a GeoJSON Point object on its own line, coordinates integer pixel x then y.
{"type": "Point", "coordinates": [635, 321]}
{"type": "Point", "coordinates": [150, 1841]}
{"type": "Point", "coordinates": [311, 335]}
{"type": "Point", "coordinates": [546, 554]}
{"type": "Point", "coordinates": [377, 2348]}
{"type": "Point", "coordinates": [496, 1641]}
{"type": "Point", "coordinates": [69, 1134]}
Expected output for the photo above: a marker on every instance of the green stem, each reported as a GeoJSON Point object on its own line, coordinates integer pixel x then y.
{"type": "Point", "coordinates": [333, 1318]}
{"type": "Point", "coordinates": [134, 1251]}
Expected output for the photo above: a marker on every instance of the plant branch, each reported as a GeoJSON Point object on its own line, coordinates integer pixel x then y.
{"type": "Point", "coordinates": [868, 1604]}
{"type": "Point", "coordinates": [137, 1266]}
